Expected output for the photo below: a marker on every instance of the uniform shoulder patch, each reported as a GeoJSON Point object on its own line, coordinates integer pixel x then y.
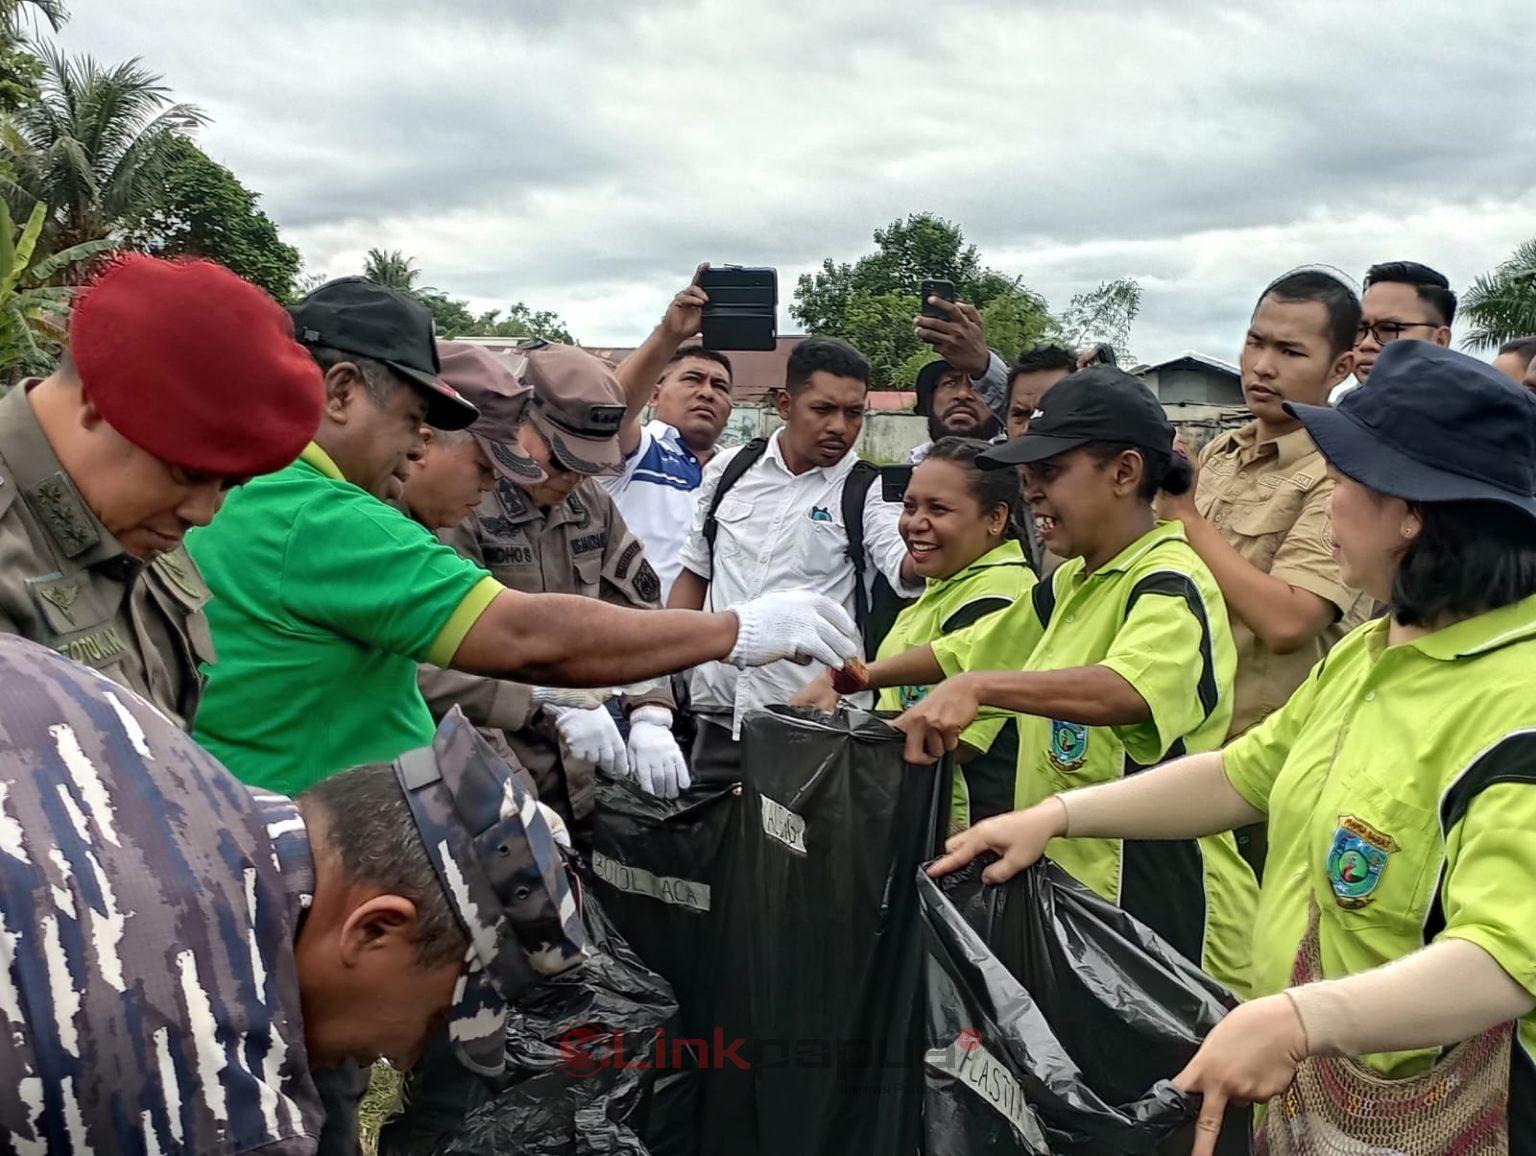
{"type": "Point", "coordinates": [626, 559]}
{"type": "Point", "coordinates": [61, 510]}
{"type": "Point", "coordinates": [646, 583]}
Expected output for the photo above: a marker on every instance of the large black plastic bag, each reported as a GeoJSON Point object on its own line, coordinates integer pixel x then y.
{"type": "Point", "coordinates": [1049, 1006]}
{"type": "Point", "coordinates": [655, 864]}
{"type": "Point", "coordinates": [563, 1092]}
{"type": "Point", "coordinates": [832, 827]}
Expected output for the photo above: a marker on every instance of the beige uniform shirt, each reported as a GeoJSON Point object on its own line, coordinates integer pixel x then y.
{"type": "Point", "coordinates": [66, 583]}
{"type": "Point", "coordinates": [1270, 501]}
{"type": "Point", "coordinates": [582, 547]}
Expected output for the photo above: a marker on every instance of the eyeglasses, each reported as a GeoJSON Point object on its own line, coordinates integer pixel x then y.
{"type": "Point", "coordinates": [1385, 331]}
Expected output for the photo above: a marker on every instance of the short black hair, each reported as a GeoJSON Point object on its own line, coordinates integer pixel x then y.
{"type": "Point", "coordinates": [1431, 285]}
{"type": "Point", "coordinates": [1042, 357]}
{"type": "Point", "coordinates": [688, 351]}
{"type": "Point", "coordinates": [372, 833]}
{"type": "Point", "coordinates": [1522, 347]}
{"type": "Point", "coordinates": [1164, 471]}
{"type": "Point", "coordinates": [990, 488]}
{"type": "Point", "coordinates": [824, 355]}
{"type": "Point", "coordinates": [379, 381]}
{"type": "Point", "coordinates": [1337, 298]}
{"type": "Point", "coordinates": [1469, 558]}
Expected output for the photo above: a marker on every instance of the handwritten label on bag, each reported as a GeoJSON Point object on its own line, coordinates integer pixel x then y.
{"type": "Point", "coordinates": [639, 881]}
{"type": "Point", "coordinates": [783, 825]}
{"type": "Point", "coordinates": [969, 1061]}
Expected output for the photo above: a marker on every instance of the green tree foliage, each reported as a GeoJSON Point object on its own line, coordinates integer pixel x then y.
{"type": "Point", "coordinates": [93, 148]}
{"type": "Point", "coordinates": [1501, 305]}
{"type": "Point", "coordinates": [872, 301]}
{"type": "Point", "coordinates": [392, 269]}
{"type": "Point", "coordinates": [207, 212]}
{"type": "Point", "coordinates": [20, 68]}
{"type": "Point", "coordinates": [33, 312]}
{"type": "Point", "coordinates": [1104, 314]}
{"type": "Point", "coordinates": [452, 316]}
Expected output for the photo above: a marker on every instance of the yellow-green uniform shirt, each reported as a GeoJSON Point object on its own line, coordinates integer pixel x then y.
{"type": "Point", "coordinates": [1153, 615]}
{"type": "Point", "coordinates": [993, 582]}
{"type": "Point", "coordinates": [1400, 785]}
{"type": "Point", "coordinates": [325, 599]}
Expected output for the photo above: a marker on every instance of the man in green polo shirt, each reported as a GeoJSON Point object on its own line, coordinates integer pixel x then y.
{"type": "Point", "coordinates": [326, 597]}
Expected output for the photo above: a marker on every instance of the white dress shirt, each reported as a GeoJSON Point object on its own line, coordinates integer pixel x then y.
{"type": "Point", "coordinates": [781, 531]}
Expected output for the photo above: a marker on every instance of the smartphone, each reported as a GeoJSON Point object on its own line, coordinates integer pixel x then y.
{"type": "Point", "coordinates": [893, 482]}
{"type": "Point", "coordinates": [936, 288]}
{"type": "Point", "coordinates": [1103, 354]}
{"type": "Point", "coordinates": [743, 307]}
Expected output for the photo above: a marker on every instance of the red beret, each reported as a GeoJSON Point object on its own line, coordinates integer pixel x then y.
{"type": "Point", "coordinates": [195, 366]}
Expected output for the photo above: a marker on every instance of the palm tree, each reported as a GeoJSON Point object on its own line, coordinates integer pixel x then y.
{"type": "Point", "coordinates": [392, 269]}
{"type": "Point", "coordinates": [93, 148]}
{"type": "Point", "coordinates": [12, 13]}
{"type": "Point", "coordinates": [1502, 304]}
{"type": "Point", "coordinates": [33, 312]}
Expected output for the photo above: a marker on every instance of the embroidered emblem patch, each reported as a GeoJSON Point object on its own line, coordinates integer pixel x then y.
{"type": "Point", "coordinates": [1069, 745]}
{"type": "Point", "coordinates": [62, 596]}
{"type": "Point", "coordinates": [1356, 859]}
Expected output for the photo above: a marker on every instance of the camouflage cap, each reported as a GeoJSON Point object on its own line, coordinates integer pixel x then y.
{"type": "Point", "coordinates": [487, 380]}
{"type": "Point", "coordinates": [502, 872]}
{"type": "Point", "coordinates": [578, 405]}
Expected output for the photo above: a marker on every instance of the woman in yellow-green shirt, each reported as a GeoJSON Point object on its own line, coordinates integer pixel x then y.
{"type": "Point", "coordinates": [957, 521]}
{"type": "Point", "coordinates": [1398, 912]}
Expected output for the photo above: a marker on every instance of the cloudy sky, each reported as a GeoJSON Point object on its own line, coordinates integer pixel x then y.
{"type": "Point", "coordinates": [583, 155]}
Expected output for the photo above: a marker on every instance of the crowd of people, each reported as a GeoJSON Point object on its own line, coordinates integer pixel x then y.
{"type": "Point", "coordinates": [317, 632]}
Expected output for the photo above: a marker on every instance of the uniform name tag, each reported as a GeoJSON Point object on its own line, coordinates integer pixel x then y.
{"type": "Point", "coordinates": [969, 1061]}
{"type": "Point", "coordinates": [639, 881]}
{"type": "Point", "coordinates": [783, 825]}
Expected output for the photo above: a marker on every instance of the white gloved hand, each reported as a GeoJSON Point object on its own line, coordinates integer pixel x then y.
{"type": "Point", "coordinates": [593, 737]}
{"type": "Point", "coordinates": [580, 698]}
{"type": "Point", "coordinates": [795, 624]}
{"type": "Point", "coordinates": [654, 754]}
{"type": "Point", "coordinates": [557, 828]}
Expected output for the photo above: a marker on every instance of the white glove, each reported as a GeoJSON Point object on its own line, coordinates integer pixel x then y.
{"type": "Point", "coordinates": [593, 737]}
{"type": "Point", "coordinates": [557, 828]}
{"type": "Point", "coordinates": [795, 624]}
{"type": "Point", "coordinates": [653, 753]}
{"type": "Point", "coordinates": [579, 698]}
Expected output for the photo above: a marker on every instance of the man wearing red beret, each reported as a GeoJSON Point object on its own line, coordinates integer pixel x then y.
{"type": "Point", "coordinates": [181, 381]}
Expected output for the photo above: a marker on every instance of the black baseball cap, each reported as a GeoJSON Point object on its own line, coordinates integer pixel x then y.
{"type": "Point", "coordinates": [1097, 404]}
{"type": "Point", "coordinates": [928, 384]}
{"type": "Point", "coordinates": [356, 315]}
{"type": "Point", "coordinates": [1432, 425]}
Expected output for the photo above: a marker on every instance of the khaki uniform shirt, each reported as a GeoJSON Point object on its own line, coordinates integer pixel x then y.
{"type": "Point", "coordinates": [581, 546]}
{"type": "Point", "coordinates": [65, 581]}
{"type": "Point", "coordinates": [1270, 501]}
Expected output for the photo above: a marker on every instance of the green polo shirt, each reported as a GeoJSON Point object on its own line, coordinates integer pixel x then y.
{"type": "Point", "coordinates": [1400, 785]}
{"type": "Point", "coordinates": [325, 599]}
{"type": "Point", "coordinates": [1155, 616]}
{"type": "Point", "coordinates": [993, 582]}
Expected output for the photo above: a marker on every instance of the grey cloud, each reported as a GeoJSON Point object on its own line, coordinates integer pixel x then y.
{"type": "Point", "coordinates": [583, 155]}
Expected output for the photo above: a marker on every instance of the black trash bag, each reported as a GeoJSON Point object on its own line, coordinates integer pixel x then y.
{"type": "Point", "coordinates": [1055, 1018]}
{"type": "Point", "coordinates": [583, 1050]}
{"type": "Point", "coordinates": [832, 827]}
{"type": "Point", "coordinates": [654, 867]}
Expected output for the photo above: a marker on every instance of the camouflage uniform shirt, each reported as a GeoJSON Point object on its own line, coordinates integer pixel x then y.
{"type": "Point", "coordinates": [147, 980]}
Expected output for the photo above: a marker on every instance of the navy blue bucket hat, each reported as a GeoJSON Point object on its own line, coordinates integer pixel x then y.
{"type": "Point", "coordinates": [1432, 425]}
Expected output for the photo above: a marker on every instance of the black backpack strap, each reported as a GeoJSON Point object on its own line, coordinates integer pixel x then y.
{"type": "Point", "coordinates": [855, 493]}
{"type": "Point", "coordinates": [749, 456]}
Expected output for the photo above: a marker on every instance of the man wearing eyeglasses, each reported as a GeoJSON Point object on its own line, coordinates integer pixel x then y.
{"type": "Point", "coordinates": [1402, 299]}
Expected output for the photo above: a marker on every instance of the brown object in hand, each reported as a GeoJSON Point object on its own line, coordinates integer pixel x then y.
{"type": "Point", "coordinates": [851, 678]}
